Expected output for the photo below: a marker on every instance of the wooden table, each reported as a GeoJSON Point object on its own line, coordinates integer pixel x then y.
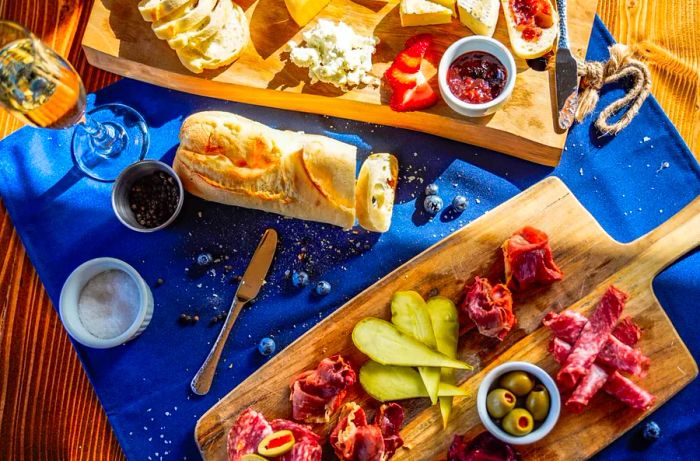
{"type": "Point", "coordinates": [48, 409]}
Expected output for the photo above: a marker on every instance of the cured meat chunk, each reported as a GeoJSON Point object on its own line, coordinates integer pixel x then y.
{"type": "Point", "coordinates": [528, 260]}
{"type": "Point", "coordinates": [592, 339]}
{"type": "Point", "coordinates": [483, 447]}
{"type": "Point", "coordinates": [616, 385]}
{"type": "Point", "coordinates": [389, 418]}
{"type": "Point", "coordinates": [490, 308]}
{"type": "Point", "coordinates": [589, 386]}
{"type": "Point", "coordinates": [627, 332]}
{"type": "Point", "coordinates": [245, 435]}
{"type": "Point", "coordinates": [628, 392]}
{"type": "Point", "coordinates": [316, 394]}
{"type": "Point", "coordinates": [353, 439]}
{"type": "Point", "coordinates": [615, 353]}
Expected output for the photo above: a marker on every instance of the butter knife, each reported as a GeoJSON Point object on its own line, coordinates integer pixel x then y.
{"type": "Point", "coordinates": [566, 75]}
{"type": "Point", "coordinates": [248, 289]}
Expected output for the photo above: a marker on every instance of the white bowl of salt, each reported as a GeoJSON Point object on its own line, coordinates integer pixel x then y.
{"type": "Point", "coordinates": [104, 303]}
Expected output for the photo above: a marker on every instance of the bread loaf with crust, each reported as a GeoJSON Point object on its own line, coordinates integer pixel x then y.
{"type": "Point", "coordinates": [230, 159]}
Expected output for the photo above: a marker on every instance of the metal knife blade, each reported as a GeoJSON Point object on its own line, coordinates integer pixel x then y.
{"type": "Point", "coordinates": [565, 74]}
{"type": "Point", "coordinates": [254, 275]}
{"type": "Point", "coordinates": [566, 79]}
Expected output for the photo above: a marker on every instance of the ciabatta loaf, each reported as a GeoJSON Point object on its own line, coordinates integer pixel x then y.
{"type": "Point", "coordinates": [544, 24]}
{"type": "Point", "coordinates": [230, 159]}
{"type": "Point", "coordinates": [183, 19]}
{"type": "Point", "coordinates": [375, 192]}
{"type": "Point", "coordinates": [153, 10]}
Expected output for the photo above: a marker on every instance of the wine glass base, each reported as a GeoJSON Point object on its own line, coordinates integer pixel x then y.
{"type": "Point", "coordinates": [130, 146]}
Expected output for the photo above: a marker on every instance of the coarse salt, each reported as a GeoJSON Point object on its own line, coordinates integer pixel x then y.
{"type": "Point", "coordinates": [108, 304]}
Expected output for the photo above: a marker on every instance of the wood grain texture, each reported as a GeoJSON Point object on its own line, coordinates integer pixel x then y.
{"type": "Point", "coordinates": [119, 40]}
{"type": "Point", "coordinates": [591, 261]}
{"type": "Point", "coordinates": [47, 409]}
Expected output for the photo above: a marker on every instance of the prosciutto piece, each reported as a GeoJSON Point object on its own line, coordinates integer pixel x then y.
{"type": "Point", "coordinates": [316, 394]}
{"type": "Point", "coordinates": [483, 447]}
{"type": "Point", "coordinates": [490, 308]}
{"type": "Point", "coordinates": [612, 383]}
{"type": "Point", "coordinates": [389, 418]}
{"type": "Point", "coordinates": [354, 439]}
{"type": "Point", "coordinates": [616, 354]}
{"type": "Point", "coordinates": [592, 339]}
{"type": "Point", "coordinates": [528, 260]}
{"type": "Point", "coordinates": [245, 435]}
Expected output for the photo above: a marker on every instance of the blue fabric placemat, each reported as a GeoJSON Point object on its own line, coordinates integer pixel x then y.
{"type": "Point", "coordinates": [631, 184]}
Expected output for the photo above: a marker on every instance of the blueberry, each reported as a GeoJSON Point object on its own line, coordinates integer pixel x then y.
{"type": "Point", "coordinates": [652, 431]}
{"type": "Point", "coordinates": [431, 189]}
{"type": "Point", "coordinates": [204, 259]}
{"type": "Point", "coordinates": [432, 204]}
{"type": "Point", "coordinates": [267, 346]}
{"type": "Point", "coordinates": [459, 203]}
{"type": "Point", "coordinates": [323, 288]}
{"type": "Point", "coordinates": [300, 279]}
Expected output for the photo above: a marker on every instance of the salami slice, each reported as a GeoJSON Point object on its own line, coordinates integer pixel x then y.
{"type": "Point", "coordinates": [628, 332]}
{"type": "Point", "coordinates": [245, 435]}
{"type": "Point", "coordinates": [304, 450]}
{"type": "Point", "coordinates": [592, 339]}
{"type": "Point", "coordinates": [300, 431]}
{"type": "Point", "coordinates": [587, 388]}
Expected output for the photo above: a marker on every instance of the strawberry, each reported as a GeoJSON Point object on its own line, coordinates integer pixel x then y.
{"type": "Point", "coordinates": [419, 97]}
{"type": "Point", "coordinates": [419, 42]}
{"type": "Point", "coordinates": [407, 61]}
{"type": "Point", "coordinates": [397, 78]}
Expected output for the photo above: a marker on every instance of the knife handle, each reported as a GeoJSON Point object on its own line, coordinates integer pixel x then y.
{"type": "Point", "coordinates": [201, 383]}
{"type": "Point", "coordinates": [563, 33]}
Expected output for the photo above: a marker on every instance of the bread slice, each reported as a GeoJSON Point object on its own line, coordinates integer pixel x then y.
{"type": "Point", "coordinates": [526, 49]}
{"type": "Point", "coordinates": [480, 16]}
{"type": "Point", "coordinates": [153, 10]}
{"type": "Point", "coordinates": [183, 19]}
{"type": "Point", "coordinates": [205, 30]}
{"type": "Point", "coordinates": [376, 191]}
{"type": "Point", "coordinates": [222, 48]}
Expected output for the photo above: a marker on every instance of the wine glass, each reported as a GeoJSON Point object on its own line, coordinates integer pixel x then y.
{"type": "Point", "coordinates": [41, 88]}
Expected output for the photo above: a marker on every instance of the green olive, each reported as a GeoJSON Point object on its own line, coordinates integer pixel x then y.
{"type": "Point", "coordinates": [276, 444]}
{"type": "Point", "coordinates": [499, 402]}
{"type": "Point", "coordinates": [252, 457]}
{"type": "Point", "coordinates": [518, 422]}
{"type": "Point", "coordinates": [518, 382]}
{"type": "Point", "coordinates": [537, 403]}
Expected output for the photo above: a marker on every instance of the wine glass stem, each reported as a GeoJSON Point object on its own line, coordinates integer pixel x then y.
{"type": "Point", "coordinates": [107, 139]}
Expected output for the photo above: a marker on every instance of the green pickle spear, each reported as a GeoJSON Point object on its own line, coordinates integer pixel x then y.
{"type": "Point", "coordinates": [410, 315]}
{"type": "Point", "coordinates": [443, 316]}
{"type": "Point", "coordinates": [390, 382]}
{"type": "Point", "coordinates": [384, 343]}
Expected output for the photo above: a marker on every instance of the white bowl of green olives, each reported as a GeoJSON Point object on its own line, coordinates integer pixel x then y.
{"type": "Point", "coordinates": [518, 403]}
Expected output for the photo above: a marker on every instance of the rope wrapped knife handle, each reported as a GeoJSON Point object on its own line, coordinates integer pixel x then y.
{"type": "Point", "coordinates": [594, 75]}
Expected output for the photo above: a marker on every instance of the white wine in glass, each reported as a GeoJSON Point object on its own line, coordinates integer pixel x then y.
{"type": "Point", "coordinates": [42, 89]}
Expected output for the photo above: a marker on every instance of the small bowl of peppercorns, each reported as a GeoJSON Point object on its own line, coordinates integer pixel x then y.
{"type": "Point", "coordinates": [147, 196]}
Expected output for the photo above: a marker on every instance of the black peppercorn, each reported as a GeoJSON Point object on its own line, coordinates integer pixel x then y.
{"type": "Point", "coordinates": [154, 199]}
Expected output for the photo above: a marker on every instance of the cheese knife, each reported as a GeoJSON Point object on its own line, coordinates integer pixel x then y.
{"type": "Point", "coordinates": [248, 289]}
{"type": "Point", "coordinates": [565, 75]}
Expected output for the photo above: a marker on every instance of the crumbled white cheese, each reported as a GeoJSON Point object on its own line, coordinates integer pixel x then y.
{"type": "Point", "coordinates": [335, 54]}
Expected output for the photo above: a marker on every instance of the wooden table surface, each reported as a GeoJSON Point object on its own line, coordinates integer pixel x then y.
{"type": "Point", "coordinates": [48, 409]}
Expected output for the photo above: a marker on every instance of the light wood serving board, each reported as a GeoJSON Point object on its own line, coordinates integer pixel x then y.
{"type": "Point", "coordinates": [117, 39]}
{"type": "Point", "coordinates": [591, 261]}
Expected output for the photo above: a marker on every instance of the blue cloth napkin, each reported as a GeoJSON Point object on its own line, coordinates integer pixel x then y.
{"type": "Point", "coordinates": [631, 183]}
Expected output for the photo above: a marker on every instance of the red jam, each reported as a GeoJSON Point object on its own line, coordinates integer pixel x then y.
{"type": "Point", "coordinates": [531, 16]}
{"type": "Point", "coordinates": [476, 77]}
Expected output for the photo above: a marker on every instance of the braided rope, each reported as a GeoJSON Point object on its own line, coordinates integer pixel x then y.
{"type": "Point", "coordinates": [594, 75]}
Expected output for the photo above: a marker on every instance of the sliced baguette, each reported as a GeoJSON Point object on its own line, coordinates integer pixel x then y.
{"type": "Point", "coordinates": [530, 49]}
{"type": "Point", "coordinates": [205, 30]}
{"type": "Point", "coordinates": [153, 10]}
{"type": "Point", "coordinates": [222, 48]}
{"type": "Point", "coordinates": [183, 19]}
{"type": "Point", "coordinates": [375, 192]}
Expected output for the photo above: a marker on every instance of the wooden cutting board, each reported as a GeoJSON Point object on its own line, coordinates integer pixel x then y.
{"type": "Point", "coordinates": [591, 261]}
{"type": "Point", "coordinates": [119, 40]}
